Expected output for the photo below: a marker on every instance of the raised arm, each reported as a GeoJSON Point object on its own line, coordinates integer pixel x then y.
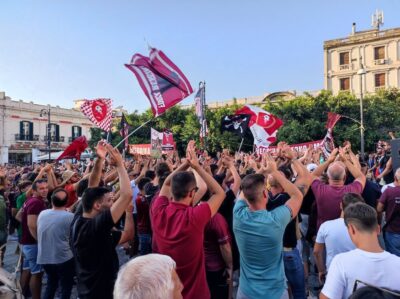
{"type": "Point", "coordinates": [304, 178]}
{"type": "Point", "coordinates": [296, 198]}
{"type": "Point", "coordinates": [236, 177]}
{"type": "Point", "coordinates": [355, 172]}
{"type": "Point", "coordinates": [95, 175]}
{"type": "Point", "coordinates": [217, 193]}
{"type": "Point", "coordinates": [324, 166]}
{"type": "Point", "coordinates": [118, 208]}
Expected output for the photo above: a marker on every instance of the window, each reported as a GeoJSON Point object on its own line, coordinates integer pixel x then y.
{"type": "Point", "coordinates": [344, 58]}
{"type": "Point", "coordinates": [54, 132]}
{"type": "Point", "coordinates": [25, 130]}
{"type": "Point", "coordinates": [379, 53]}
{"type": "Point", "coordinates": [76, 132]}
{"type": "Point", "coordinates": [345, 84]}
{"type": "Point", "coordinates": [380, 80]}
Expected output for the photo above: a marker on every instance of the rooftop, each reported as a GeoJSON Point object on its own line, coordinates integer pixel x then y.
{"type": "Point", "coordinates": [360, 37]}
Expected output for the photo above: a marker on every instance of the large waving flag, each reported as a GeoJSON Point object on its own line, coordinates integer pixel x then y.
{"type": "Point", "coordinates": [263, 125]}
{"type": "Point", "coordinates": [161, 80]}
{"type": "Point", "coordinates": [75, 149]}
{"type": "Point", "coordinates": [99, 112]}
{"type": "Point", "coordinates": [328, 144]}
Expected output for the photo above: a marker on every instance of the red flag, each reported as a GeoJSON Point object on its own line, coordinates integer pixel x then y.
{"type": "Point", "coordinates": [99, 112]}
{"type": "Point", "coordinates": [333, 118]}
{"type": "Point", "coordinates": [161, 80]}
{"type": "Point", "coordinates": [75, 149]}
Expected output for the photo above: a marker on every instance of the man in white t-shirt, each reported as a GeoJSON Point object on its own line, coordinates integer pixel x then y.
{"type": "Point", "coordinates": [333, 237]}
{"type": "Point", "coordinates": [369, 263]}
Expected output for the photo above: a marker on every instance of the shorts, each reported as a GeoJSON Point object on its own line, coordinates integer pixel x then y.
{"type": "Point", "coordinates": [30, 253]}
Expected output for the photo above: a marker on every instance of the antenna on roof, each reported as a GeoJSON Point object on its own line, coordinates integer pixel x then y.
{"type": "Point", "coordinates": [377, 19]}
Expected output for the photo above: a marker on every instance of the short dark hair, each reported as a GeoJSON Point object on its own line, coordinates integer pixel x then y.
{"type": "Point", "coordinates": [373, 293]}
{"type": "Point", "coordinates": [82, 186]}
{"type": "Point", "coordinates": [181, 184]}
{"type": "Point", "coordinates": [362, 216]}
{"type": "Point", "coordinates": [287, 172]}
{"type": "Point", "coordinates": [150, 174]}
{"type": "Point", "coordinates": [142, 182]}
{"type": "Point", "coordinates": [58, 202]}
{"type": "Point", "coordinates": [252, 186]}
{"type": "Point", "coordinates": [35, 183]}
{"type": "Point", "coordinates": [162, 179]}
{"type": "Point", "coordinates": [162, 168]}
{"type": "Point", "coordinates": [351, 198]}
{"type": "Point", "coordinates": [91, 195]}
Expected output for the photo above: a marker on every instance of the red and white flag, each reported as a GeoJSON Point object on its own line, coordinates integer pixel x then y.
{"type": "Point", "coordinates": [328, 143]}
{"type": "Point", "coordinates": [262, 124]}
{"type": "Point", "coordinates": [99, 112]}
{"type": "Point", "coordinates": [161, 80]}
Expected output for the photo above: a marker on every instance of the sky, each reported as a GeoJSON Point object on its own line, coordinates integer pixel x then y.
{"type": "Point", "coordinates": [54, 52]}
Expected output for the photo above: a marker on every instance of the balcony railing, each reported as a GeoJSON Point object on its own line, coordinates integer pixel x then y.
{"type": "Point", "coordinates": [54, 138]}
{"type": "Point", "coordinates": [19, 137]}
{"type": "Point", "coordinates": [344, 67]}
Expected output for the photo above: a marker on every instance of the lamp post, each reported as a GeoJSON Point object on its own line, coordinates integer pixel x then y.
{"type": "Point", "coordinates": [44, 112]}
{"type": "Point", "coordinates": [361, 72]}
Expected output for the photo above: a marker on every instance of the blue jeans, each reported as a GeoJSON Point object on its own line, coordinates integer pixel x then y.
{"type": "Point", "coordinates": [392, 243]}
{"type": "Point", "coordinates": [30, 259]}
{"type": "Point", "coordinates": [59, 273]}
{"type": "Point", "coordinates": [294, 272]}
{"type": "Point", "coordinates": [144, 244]}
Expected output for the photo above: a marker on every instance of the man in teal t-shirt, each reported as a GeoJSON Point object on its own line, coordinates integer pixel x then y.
{"type": "Point", "coordinates": [259, 235]}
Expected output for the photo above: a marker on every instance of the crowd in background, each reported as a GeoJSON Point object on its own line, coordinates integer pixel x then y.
{"type": "Point", "coordinates": [230, 225]}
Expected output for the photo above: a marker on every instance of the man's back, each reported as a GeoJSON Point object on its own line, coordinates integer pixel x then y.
{"type": "Point", "coordinates": [95, 256]}
{"type": "Point", "coordinates": [334, 235]}
{"type": "Point", "coordinates": [178, 231]}
{"type": "Point", "coordinates": [378, 269]}
{"type": "Point", "coordinates": [391, 202]}
{"type": "Point", "coordinates": [53, 237]}
{"type": "Point", "coordinates": [259, 237]}
{"type": "Point", "coordinates": [328, 198]}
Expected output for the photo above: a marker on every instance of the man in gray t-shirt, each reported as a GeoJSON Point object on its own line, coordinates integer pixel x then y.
{"type": "Point", "coordinates": [54, 251]}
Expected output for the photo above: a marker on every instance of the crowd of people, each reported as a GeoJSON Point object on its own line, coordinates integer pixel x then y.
{"type": "Point", "coordinates": [234, 225]}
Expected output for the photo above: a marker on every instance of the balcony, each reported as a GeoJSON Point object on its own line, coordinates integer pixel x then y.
{"type": "Point", "coordinates": [345, 67]}
{"type": "Point", "coordinates": [19, 137]}
{"type": "Point", "coordinates": [379, 61]}
{"type": "Point", "coordinates": [54, 138]}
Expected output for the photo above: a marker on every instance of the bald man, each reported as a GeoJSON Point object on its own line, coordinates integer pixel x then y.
{"type": "Point", "coordinates": [328, 196]}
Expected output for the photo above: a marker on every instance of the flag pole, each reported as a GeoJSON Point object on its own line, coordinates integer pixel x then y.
{"type": "Point", "coordinates": [204, 116]}
{"type": "Point", "coordinates": [134, 131]}
{"type": "Point", "coordinates": [240, 146]}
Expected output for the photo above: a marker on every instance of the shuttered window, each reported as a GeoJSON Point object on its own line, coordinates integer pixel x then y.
{"type": "Point", "coordinates": [379, 53]}
{"type": "Point", "coordinates": [345, 84]}
{"type": "Point", "coordinates": [344, 58]}
{"type": "Point", "coordinates": [380, 80]}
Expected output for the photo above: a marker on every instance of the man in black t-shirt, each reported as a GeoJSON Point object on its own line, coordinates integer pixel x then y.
{"type": "Point", "coordinates": [92, 235]}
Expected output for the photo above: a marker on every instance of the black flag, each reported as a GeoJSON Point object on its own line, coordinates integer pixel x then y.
{"type": "Point", "coordinates": [237, 124]}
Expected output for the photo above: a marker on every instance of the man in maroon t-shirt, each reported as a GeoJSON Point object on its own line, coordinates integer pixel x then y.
{"type": "Point", "coordinates": [178, 226]}
{"type": "Point", "coordinates": [218, 254]}
{"type": "Point", "coordinates": [32, 272]}
{"type": "Point", "coordinates": [329, 196]}
{"type": "Point", "coordinates": [390, 203]}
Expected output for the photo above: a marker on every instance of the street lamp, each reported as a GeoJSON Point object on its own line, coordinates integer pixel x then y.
{"type": "Point", "coordinates": [361, 72]}
{"type": "Point", "coordinates": [44, 112]}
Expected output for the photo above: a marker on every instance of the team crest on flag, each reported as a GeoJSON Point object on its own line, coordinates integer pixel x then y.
{"type": "Point", "coordinates": [99, 112]}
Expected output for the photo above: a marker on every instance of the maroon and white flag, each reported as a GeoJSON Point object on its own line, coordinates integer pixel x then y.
{"type": "Point", "coordinates": [161, 80]}
{"type": "Point", "coordinates": [328, 143]}
{"type": "Point", "coordinates": [99, 112]}
{"type": "Point", "coordinates": [168, 143]}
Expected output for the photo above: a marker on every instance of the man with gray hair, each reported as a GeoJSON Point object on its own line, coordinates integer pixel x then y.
{"type": "Point", "coordinates": [329, 196]}
{"type": "Point", "coordinates": [151, 276]}
{"type": "Point", "coordinates": [390, 204]}
{"type": "Point", "coordinates": [368, 263]}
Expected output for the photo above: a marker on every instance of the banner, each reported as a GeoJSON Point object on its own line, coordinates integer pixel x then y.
{"type": "Point", "coordinates": [168, 143]}
{"type": "Point", "coordinates": [156, 143]}
{"type": "Point", "coordinates": [299, 147]}
{"type": "Point", "coordinates": [161, 80]}
{"type": "Point", "coordinates": [140, 149]}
